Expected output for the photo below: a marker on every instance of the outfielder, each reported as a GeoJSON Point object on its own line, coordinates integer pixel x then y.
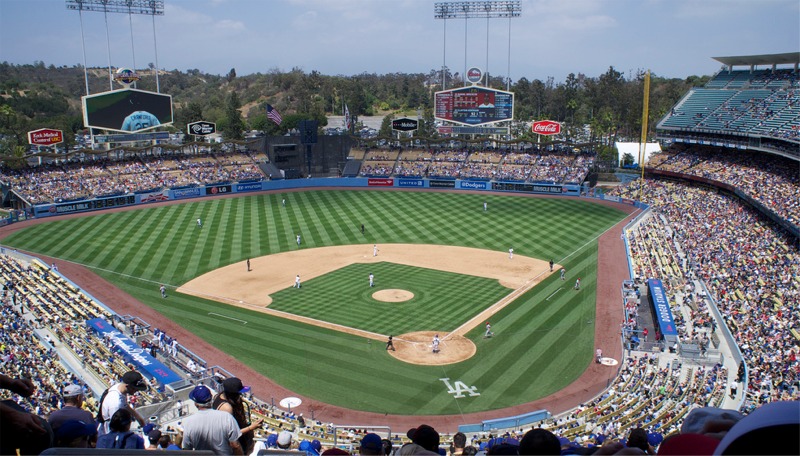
{"type": "Point", "coordinates": [485, 206]}
{"type": "Point", "coordinates": [199, 223]}
{"type": "Point", "coordinates": [298, 240]}
{"type": "Point", "coordinates": [578, 284]}
{"type": "Point", "coordinates": [283, 202]}
{"type": "Point", "coordinates": [563, 274]}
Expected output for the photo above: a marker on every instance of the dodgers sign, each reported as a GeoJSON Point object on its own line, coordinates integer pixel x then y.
{"type": "Point", "coordinates": [658, 299]}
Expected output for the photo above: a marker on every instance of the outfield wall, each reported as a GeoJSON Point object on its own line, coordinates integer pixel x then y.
{"type": "Point", "coordinates": [46, 210]}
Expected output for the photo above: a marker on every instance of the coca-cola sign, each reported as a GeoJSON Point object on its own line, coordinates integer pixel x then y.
{"type": "Point", "coordinates": [546, 127]}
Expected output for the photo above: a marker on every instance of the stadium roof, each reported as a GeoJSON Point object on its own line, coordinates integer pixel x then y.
{"type": "Point", "coordinates": [788, 58]}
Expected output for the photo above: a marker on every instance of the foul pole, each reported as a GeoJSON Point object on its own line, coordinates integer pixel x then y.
{"type": "Point", "coordinates": [643, 139]}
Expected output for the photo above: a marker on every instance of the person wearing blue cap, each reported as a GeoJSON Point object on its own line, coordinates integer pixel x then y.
{"type": "Point", "coordinates": [371, 444]}
{"type": "Point", "coordinates": [230, 400]}
{"type": "Point", "coordinates": [210, 429]}
{"type": "Point", "coordinates": [75, 434]}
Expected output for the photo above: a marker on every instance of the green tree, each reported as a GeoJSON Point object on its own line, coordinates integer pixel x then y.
{"type": "Point", "coordinates": [234, 124]}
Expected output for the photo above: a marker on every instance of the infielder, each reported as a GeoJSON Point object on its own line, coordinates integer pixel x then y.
{"type": "Point", "coordinates": [297, 281]}
{"type": "Point", "coordinates": [163, 290]}
{"type": "Point", "coordinates": [199, 223]}
{"type": "Point", "coordinates": [563, 274]}
{"type": "Point", "coordinates": [578, 284]}
{"type": "Point", "coordinates": [298, 240]}
{"type": "Point", "coordinates": [375, 250]}
{"type": "Point", "coordinates": [435, 343]}
{"type": "Point", "coordinates": [371, 280]}
{"type": "Point", "coordinates": [248, 265]}
{"type": "Point", "coordinates": [390, 344]}
{"type": "Point", "coordinates": [551, 265]}
{"type": "Point", "coordinates": [488, 332]}
{"type": "Point", "coordinates": [510, 254]}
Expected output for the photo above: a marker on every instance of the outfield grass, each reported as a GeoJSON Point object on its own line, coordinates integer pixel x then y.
{"type": "Point", "coordinates": [543, 341]}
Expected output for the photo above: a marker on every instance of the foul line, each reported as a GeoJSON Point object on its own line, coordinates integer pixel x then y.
{"type": "Point", "coordinates": [225, 316]}
{"type": "Point", "coordinates": [554, 293]}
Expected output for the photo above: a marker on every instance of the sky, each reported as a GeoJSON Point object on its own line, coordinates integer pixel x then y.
{"type": "Point", "coordinates": [551, 38]}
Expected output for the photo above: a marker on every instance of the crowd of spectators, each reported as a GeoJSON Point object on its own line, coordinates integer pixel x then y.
{"type": "Point", "coordinates": [751, 269]}
{"type": "Point", "coordinates": [76, 180]}
{"type": "Point", "coordinates": [772, 180]}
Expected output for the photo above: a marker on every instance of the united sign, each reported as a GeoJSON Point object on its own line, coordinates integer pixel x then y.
{"type": "Point", "coordinates": [45, 137]}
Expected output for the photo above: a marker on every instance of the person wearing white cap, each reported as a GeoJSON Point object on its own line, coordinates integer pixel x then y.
{"type": "Point", "coordinates": [285, 440]}
{"type": "Point", "coordinates": [116, 398]}
{"type": "Point", "coordinates": [210, 429]}
{"type": "Point", "coordinates": [73, 399]}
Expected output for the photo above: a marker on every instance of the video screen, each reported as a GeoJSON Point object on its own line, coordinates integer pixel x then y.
{"type": "Point", "coordinates": [127, 110]}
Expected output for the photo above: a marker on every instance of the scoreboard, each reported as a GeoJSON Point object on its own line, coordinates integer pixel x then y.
{"type": "Point", "coordinates": [474, 105]}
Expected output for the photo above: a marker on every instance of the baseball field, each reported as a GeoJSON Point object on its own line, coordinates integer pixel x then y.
{"type": "Point", "coordinates": [442, 267]}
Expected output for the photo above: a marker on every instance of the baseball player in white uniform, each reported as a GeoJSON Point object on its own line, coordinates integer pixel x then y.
{"type": "Point", "coordinates": [375, 250]}
{"type": "Point", "coordinates": [435, 343]}
{"type": "Point", "coordinates": [488, 332]}
{"type": "Point", "coordinates": [297, 281]}
{"type": "Point", "coordinates": [563, 274]}
{"type": "Point", "coordinates": [199, 223]}
{"type": "Point", "coordinates": [511, 254]}
{"type": "Point", "coordinates": [298, 240]}
{"type": "Point", "coordinates": [485, 206]}
{"type": "Point", "coordinates": [371, 280]}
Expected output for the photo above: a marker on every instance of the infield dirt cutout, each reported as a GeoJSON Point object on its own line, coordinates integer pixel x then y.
{"type": "Point", "coordinates": [235, 285]}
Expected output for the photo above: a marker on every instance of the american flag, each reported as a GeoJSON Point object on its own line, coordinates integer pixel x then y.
{"type": "Point", "coordinates": [274, 115]}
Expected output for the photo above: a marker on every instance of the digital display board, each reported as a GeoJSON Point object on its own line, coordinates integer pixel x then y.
{"type": "Point", "coordinates": [127, 110]}
{"type": "Point", "coordinates": [474, 105]}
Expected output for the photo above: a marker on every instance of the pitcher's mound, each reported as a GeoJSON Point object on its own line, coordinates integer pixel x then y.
{"type": "Point", "coordinates": [416, 348]}
{"type": "Point", "coordinates": [392, 295]}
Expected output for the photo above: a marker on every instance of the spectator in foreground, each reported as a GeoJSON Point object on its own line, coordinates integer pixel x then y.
{"type": "Point", "coordinates": [71, 411]}
{"type": "Point", "coordinates": [120, 435]}
{"type": "Point", "coordinates": [209, 429]}
{"type": "Point", "coordinates": [76, 434]}
{"type": "Point", "coordinates": [539, 441]}
{"type": "Point", "coordinates": [116, 398]}
{"type": "Point", "coordinates": [230, 400]}
{"type": "Point", "coordinates": [424, 440]}
{"type": "Point", "coordinates": [19, 429]}
{"type": "Point", "coordinates": [371, 444]}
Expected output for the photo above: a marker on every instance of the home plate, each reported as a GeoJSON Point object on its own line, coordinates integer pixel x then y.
{"type": "Point", "coordinates": [289, 402]}
{"type": "Point", "coordinates": [608, 361]}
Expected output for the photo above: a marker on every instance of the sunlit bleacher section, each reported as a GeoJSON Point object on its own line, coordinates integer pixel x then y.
{"type": "Point", "coordinates": [77, 180]}
{"type": "Point", "coordinates": [447, 164]}
{"type": "Point", "coordinates": [742, 102]}
{"type": "Point", "coordinates": [379, 162]}
{"type": "Point", "coordinates": [773, 181]}
{"type": "Point", "coordinates": [413, 163]}
{"type": "Point", "coordinates": [733, 255]}
{"type": "Point", "coordinates": [481, 165]}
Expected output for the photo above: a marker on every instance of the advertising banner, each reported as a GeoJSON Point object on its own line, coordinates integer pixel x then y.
{"type": "Point", "coordinates": [419, 183]}
{"type": "Point", "coordinates": [186, 192]}
{"type": "Point", "coordinates": [249, 187]}
{"type": "Point", "coordinates": [132, 352]}
{"type": "Point", "coordinates": [441, 183]}
{"type": "Point", "coordinates": [378, 182]}
{"type": "Point", "coordinates": [218, 190]}
{"type": "Point", "coordinates": [658, 300]}
{"type": "Point", "coordinates": [473, 185]}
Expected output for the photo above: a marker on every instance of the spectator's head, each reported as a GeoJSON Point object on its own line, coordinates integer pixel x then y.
{"type": "Point", "coordinates": [773, 428]}
{"type": "Point", "coordinates": [638, 439]}
{"type": "Point", "coordinates": [426, 437]}
{"type": "Point", "coordinates": [164, 441]}
{"type": "Point", "coordinates": [73, 395]}
{"type": "Point", "coordinates": [371, 444]}
{"type": "Point", "coordinates": [539, 441]}
{"type": "Point", "coordinates": [201, 396]}
{"type": "Point", "coordinates": [121, 420]}
{"type": "Point", "coordinates": [284, 440]}
{"type": "Point", "coordinates": [75, 434]}
{"type": "Point", "coordinates": [154, 436]}
{"type": "Point", "coordinates": [134, 382]}
{"type": "Point", "coordinates": [233, 388]}
{"type": "Point", "coordinates": [387, 446]}
{"type": "Point", "coordinates": [459, 440]}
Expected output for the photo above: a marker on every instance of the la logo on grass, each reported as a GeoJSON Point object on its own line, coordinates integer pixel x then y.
{"type": "Point", "coordinates": [460, 388]}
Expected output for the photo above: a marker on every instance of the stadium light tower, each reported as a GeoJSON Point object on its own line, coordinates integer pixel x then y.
{"type": "Point", "coordinates": [475, 10]}
{"type": "Point", "coordinates": [147, 7]}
